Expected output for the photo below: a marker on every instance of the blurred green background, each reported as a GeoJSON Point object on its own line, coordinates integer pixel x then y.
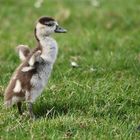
{"type": "Point", "coordinates": [99, 99]}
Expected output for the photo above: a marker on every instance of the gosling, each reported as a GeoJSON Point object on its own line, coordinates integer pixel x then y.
{"type": "Point", "coordinates": [32, 75]}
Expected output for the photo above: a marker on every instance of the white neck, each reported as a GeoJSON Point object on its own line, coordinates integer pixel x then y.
{"type": "Point", "coordinates": [41, 37]}
{"type": "Point", "coordinates": [45, 43]}
{"type": "Point", "coordinates": [49, 48]}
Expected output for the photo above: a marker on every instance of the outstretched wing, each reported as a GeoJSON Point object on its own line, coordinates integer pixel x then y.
{"type": "Point", "coordinates": [23, 51]}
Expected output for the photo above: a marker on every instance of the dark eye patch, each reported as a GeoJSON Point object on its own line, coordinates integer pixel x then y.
{"type": "Point", "coordinates": [49, 24]}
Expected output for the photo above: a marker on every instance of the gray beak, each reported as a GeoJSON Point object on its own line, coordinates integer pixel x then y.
{"type": "Point", "coordinates": [60, 30]}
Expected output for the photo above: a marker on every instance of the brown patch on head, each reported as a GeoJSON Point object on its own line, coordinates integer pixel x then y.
{"type": "Point", "coordinates": [45, 20]}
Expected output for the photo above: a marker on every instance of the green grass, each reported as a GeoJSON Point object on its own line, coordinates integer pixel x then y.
{"type": "Point", "coordinates": [99, 100]}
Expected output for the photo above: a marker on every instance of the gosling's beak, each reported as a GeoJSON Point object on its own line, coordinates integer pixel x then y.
{"type": "Point", "coordinates": [60, 30]}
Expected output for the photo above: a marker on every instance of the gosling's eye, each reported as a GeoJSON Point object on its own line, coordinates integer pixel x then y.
{"type": "Point", "coordinates": [50, 24]}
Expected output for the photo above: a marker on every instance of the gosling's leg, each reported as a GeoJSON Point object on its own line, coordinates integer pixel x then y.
{"type": "Point", "coordinates": [30, 109]}
{"type": "Point", "coordinates": [19, 104]}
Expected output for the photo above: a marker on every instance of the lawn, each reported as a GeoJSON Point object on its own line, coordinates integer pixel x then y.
{"type": "Point", "coordinates": [99, 99]}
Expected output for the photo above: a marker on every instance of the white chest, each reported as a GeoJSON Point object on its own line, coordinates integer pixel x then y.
{"type": "Point", "coordinates": [49, 49]}
{"type": "Point", "coordinates": [49, 54]}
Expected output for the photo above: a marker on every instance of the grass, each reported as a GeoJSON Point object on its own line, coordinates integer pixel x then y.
{"type": "Point", "coordinates": [99, 100]}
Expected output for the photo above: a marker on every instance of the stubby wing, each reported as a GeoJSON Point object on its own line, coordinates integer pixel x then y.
{"type": "Point", "coordinates": [23, 51]}
{"type": "Point", "coordinates": [35, 58]}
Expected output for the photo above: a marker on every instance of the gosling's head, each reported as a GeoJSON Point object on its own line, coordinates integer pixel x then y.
{"type": "Point", "coordinates": [46, 26]}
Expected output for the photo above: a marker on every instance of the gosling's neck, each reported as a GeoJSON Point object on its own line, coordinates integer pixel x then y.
{"type": "Point", "coordinates": [47, 45]}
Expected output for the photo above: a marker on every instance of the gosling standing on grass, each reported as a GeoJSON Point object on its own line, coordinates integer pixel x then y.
{"type": "Point", "coordinates": [30, 78]}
